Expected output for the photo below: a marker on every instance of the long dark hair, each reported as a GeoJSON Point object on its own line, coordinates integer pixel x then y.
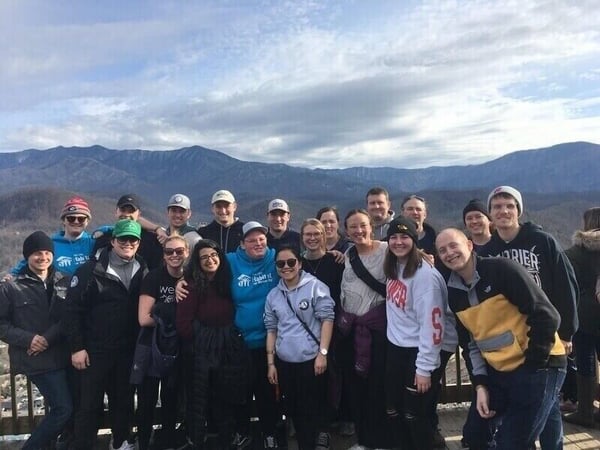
{"type": "Point", "coordinates": [194, 274]}
{"type": "Point", "coordinates": [414, 260]}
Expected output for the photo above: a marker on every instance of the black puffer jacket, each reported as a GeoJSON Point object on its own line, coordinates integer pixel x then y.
{"type": "Point", "coordinates": [585, 258]}
{"type": "Point", "coordinates": [24, 312]}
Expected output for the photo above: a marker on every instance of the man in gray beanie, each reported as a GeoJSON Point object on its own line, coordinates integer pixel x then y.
{"type": "Point", "coordinates": [542, 256]}
{"type": "Point", "coordinates": [30, 308]}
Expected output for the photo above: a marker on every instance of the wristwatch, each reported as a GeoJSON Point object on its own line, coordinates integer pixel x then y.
{"type": "Point", "coordinates": [323, 351]}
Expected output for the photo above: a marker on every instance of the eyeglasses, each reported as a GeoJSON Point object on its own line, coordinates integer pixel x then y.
{"type": "Point", "coordinates": [282, 262]}
{"type": "Point", "coordinates": [78, 219]}
{"type": "Point", "coordinates": [128, 240]}
{"type": "Point", "coordinates": [312, 235]}
{"type": "Point", "coordinates": [179, 251]}
{"type": "Point", "coordinates": [213, 255]}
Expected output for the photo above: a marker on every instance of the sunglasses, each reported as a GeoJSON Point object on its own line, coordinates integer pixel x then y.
{"type": "Point", "coordinates": [128, 240]}
{"type": "Point", "coordinates": [179, 251]}
{"type": "Point", "coordinates": [78, 219]}
{"type": "Point", "coordinates": [213, 255]}
{"type": "Point", "coordinates": [290, 263]}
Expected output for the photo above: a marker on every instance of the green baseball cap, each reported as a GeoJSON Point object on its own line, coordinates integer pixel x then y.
{"type": "Point", "coordinates": [127, 227]}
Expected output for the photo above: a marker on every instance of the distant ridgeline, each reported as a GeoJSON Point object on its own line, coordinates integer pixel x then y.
{"type": "Point", "coordinates": [557, 183]}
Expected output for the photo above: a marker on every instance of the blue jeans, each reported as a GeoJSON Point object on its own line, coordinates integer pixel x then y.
{"type": "Point", "coordinates": [55, 389]}
{"type": "Point", "coordinates": [527, 401]}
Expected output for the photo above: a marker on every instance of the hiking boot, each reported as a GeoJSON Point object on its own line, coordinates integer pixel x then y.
{"type": "Point", "coordinates": [271, 442]}
{"type": "Point", "coordinates": [323, 440]}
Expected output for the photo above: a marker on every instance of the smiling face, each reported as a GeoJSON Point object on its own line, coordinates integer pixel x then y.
{"type": "Point", "coordinates": [504, 212]}
{"type": "Point", "coordinates": [224, 212]}
{"type": "Point", "coordinates": [178, 216]}
{"type": "Point", "coordinates": [313, 238]}
{"type": "Point", "coordinates": [400, 245]}
{"type": "Point", "coordinates": [331, 224]}
{"type": "Point", "coordinates": [288, 267]}
{"type": "Point", "coordinates": [455, 251]}
{"type": "Point", "coordinates": [209, 260]}
{"type": "Point", "coordinates": [255, 244]}
{"type": "Point", "coordinates": [378, 207]}
{"type": "Point", "coordinates": [359, 229]}
{"type": "Point", "coordinates": [125, 246]}
{"type": "Point", "coordinates": [39, 262]}
{"type": "Point", "coordinates": [74, 224]}
{"type": "Point", "coordinates": [175, 253]}
{"type": "Point", "coordinates": [278, 220]}
{"type": "Point", "coordinates": [477, 223]}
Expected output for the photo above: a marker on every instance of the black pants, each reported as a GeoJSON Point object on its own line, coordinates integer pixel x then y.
{"type": "Point", "coordinates": [106, 369]}
{"type": "Point", "coordinates": [304, 399]}
{"type": "Point", "coordinates": [264, 394]}
{"type": "Point", "coordinates": [413, 409]}
{"type": "Point", "coordinates": [147, 397]}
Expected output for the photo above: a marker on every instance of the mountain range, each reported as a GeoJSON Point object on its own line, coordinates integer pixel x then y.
{"type": "Point", "coordinates": [557, 182]}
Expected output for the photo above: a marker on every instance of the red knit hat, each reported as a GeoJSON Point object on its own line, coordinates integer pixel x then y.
{"type": "Point", "coordinates": [76, 205]}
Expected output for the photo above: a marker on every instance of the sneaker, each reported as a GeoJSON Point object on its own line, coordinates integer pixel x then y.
{"type": "Point", "coordinates": [347, 429]}
{"type": "Point", "coordinates": [271, 442]}
{"type": "Point", "coordinates": [240, 441]}
{"type": "Point", "coordinates": [438, 440]}
{"type": "Point", "coordinates": [126, 445]}
{"type": "Point", "coordinates": [568, 406]}
{"type": "Point", "coordinates": [322, 441]}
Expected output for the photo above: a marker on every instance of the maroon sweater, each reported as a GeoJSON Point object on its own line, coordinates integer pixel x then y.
{"type": "Point", "coordinates": [208, 308]}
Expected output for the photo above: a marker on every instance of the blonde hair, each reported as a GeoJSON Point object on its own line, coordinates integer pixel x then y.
{"type": "Point", "coordinates": [176, 237]}
{"type": "Point", "coordinates": [319, 226]}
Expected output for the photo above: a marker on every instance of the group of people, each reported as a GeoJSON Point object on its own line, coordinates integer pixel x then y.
{"type": "Point", "coordinates": [234, 319]}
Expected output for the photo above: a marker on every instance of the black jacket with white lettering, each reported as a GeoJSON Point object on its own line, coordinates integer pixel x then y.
{"type": "Point", "coordinates": [541, 254]}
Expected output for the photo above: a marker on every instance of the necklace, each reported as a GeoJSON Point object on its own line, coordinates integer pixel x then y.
{"type": "Point", "coordinates": [313, 270]}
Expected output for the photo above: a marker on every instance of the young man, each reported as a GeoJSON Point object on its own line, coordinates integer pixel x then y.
{"type": "Point", "coordinates": [128, 207]}
{"type": "Point", "coordinates": [101, 323]}
{"type": "Point", "coordinates": [225, 229]}
{"type": "Point", "coordinates": [30, 308]}
{"type": "Point", "coordinates": [500, 312]}
{"type": "Point", "coordinates": [72, 245]}
{"type": "Point", "coordinates": [415, 208]}
{"type": "Point", "coordinates": [379, 209]}
{"type": "Point", "coordinates": [546, 263]}
{"type": "Point", "coordinates": [278, 218]}
{"type": "Point", "coordinates": [478, 223]}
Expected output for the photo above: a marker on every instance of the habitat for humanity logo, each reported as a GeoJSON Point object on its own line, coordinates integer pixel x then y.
{"type": "Point", "coordinates": [254, 279]}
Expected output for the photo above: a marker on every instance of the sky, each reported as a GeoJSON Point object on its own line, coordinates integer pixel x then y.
{"type": "Point", "coordinates": [310, 83]}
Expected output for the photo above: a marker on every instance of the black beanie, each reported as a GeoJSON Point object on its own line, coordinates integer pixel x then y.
{"type": "Point", "coordinates": [36, 241]}
{"type": "Point", "coordinates": [475, 205]}
{"type": "Point", "coordinates": [403, 225]}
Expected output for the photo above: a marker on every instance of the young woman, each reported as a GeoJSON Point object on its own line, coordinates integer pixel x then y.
{"type": "Point", "coordinates": [362, 327]}
{"type": "Point", "coordinates": [330, 219]}
{"type": "Point", "coordinates": [299, 321]}
{"type": "Point", "coordinates": [416, 306]}
{"type": "Point", "coordinates": [215, 368]}
{"type": "Point", "coordinates": [157, 298]}
{"type": "Point", "coordinates": [585, 257]}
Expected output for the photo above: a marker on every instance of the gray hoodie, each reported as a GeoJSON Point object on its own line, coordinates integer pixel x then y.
{"type": "Point", "coordinates": [313, 304]}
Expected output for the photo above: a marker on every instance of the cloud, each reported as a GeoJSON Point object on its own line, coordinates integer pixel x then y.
{"type": "Point", "coordinates": [309, 83]}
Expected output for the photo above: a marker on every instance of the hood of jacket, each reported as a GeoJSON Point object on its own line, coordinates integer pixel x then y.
{"type": "Point", "coordinates": [590, 239]}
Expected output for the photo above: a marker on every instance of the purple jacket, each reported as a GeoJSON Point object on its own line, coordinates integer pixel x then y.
{"type": "Point", "coordinates": [374, 320]}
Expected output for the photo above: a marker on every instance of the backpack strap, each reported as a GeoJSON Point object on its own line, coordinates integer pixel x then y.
{"type": "Point", "coordinates": [361, 272]}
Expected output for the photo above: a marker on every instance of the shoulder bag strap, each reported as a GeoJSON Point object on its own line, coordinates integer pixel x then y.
{"type": "Point", "coordinates": [308, 330]}
{"type": "Point", "coordinates": [361, 272]}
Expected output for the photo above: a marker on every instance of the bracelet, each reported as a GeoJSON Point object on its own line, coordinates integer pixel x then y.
{"type": "Point", "coordinates": [270, 364]}
{"type": "Point", "coordinates": [270, 352]}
